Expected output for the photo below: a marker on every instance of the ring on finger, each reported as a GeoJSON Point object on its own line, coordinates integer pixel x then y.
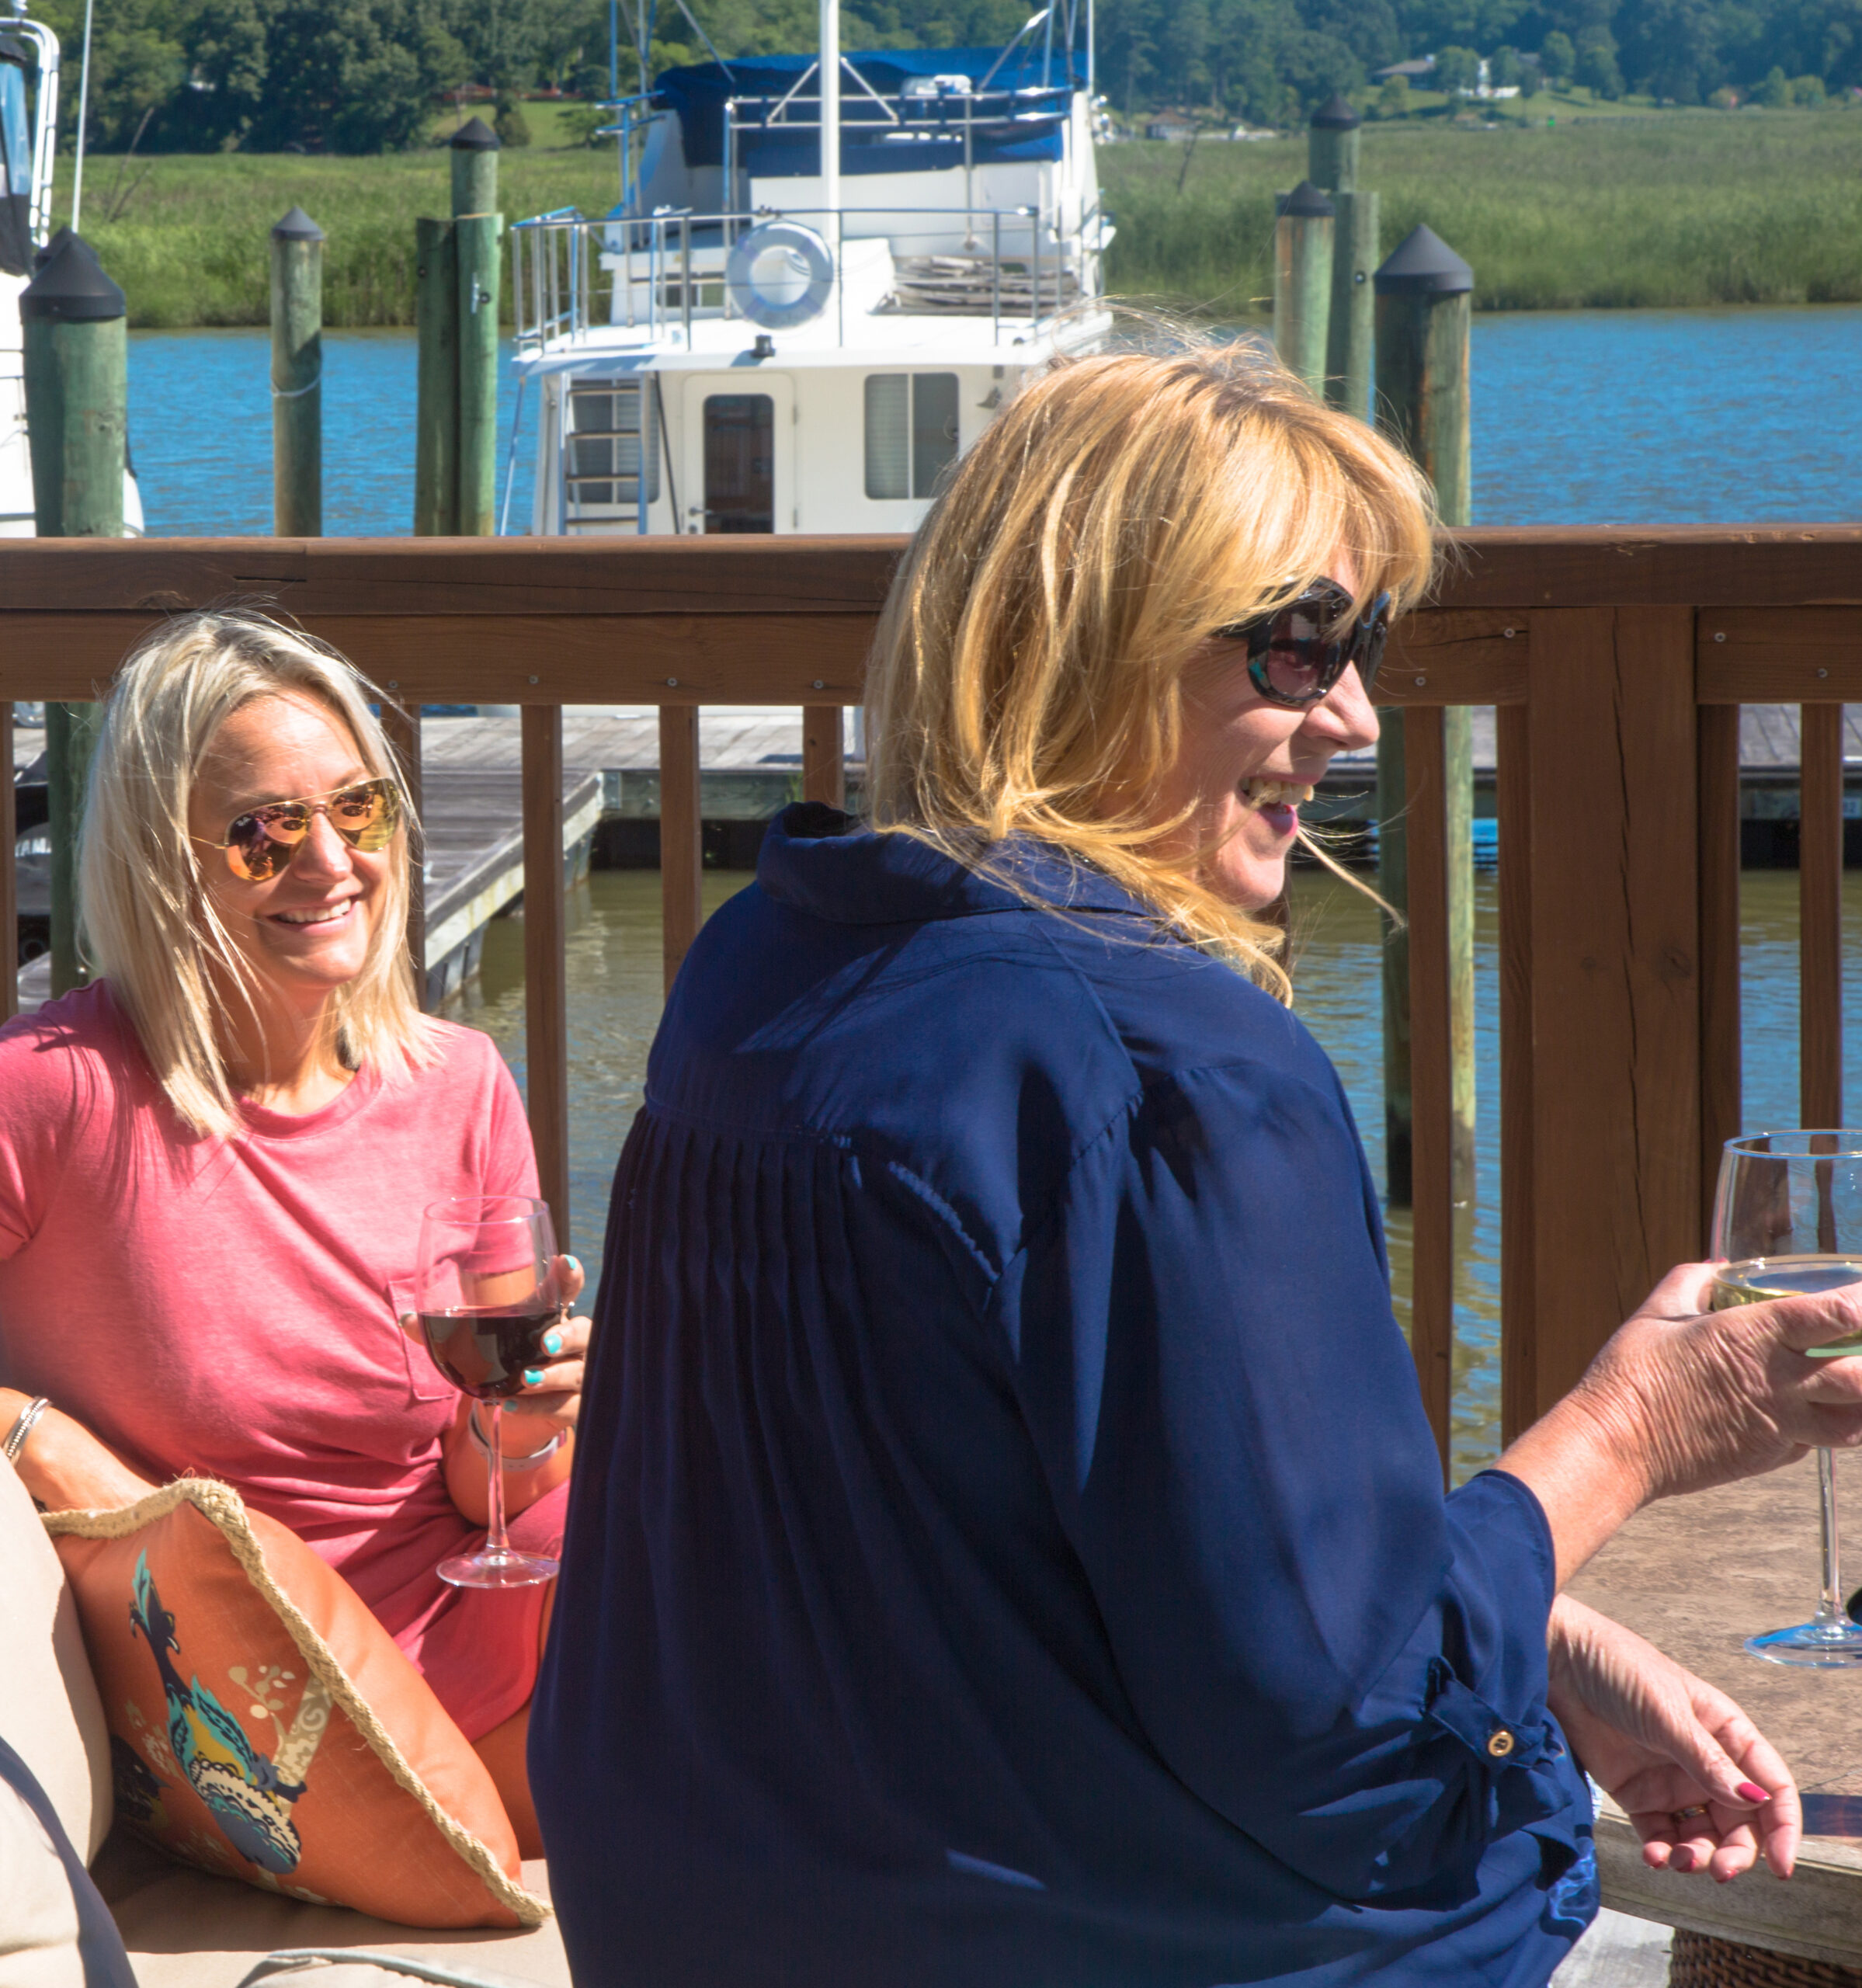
{"type": "Point", "coordinates": [1688, 1814]}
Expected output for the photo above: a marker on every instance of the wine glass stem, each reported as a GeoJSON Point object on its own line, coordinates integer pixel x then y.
{"type": "Point", "coordinates": [1830, 1608]}
{"type": "Point", "coordinates": [496, 1542]}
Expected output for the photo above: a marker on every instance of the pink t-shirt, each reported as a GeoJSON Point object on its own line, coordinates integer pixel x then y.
{"type": "Point", "coordinates": [222, 1307]}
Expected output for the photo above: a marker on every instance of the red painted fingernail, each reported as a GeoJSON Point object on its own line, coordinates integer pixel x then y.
{"type": "Point", "coordinates": [1682, 1859]}
{"type": "Point", "coordinates": [1750, 1791]}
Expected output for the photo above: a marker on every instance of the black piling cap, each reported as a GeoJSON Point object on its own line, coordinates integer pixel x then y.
{"type": "Point", "coordinates": [42, 256]}
{"type": "Point", "coordinates": [474, 135]}
{"type": "Point", "coordinates": [71, 286]}
{"type": "Point", "coordinates": [1306, 203]}
{"type": "Point", "coordinates": [1336, 115]}
{"type": "Point", "coordinates": [1423, 263]}
{"type": "Point", "coordinates": [297, 226]}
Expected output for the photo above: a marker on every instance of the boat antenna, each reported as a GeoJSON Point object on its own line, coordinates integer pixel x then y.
{"type": "Point", "coordinates": [685, 10]}
{"type": "Point", "coordinates": [830, 105]}
{"type": "Point", "coordinates": [84, 104]}
{"type": "Point", "coordinates": [1010, 46]}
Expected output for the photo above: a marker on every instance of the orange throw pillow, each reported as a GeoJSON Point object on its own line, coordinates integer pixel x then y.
{"type": "Point", "coordinates": [264, 1726]}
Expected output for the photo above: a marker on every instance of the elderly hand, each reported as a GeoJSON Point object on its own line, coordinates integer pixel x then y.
{"type": "Point", "coordinates": [1681, 1398]}
{"type": "Point", "coordinates": [1704, 1789]}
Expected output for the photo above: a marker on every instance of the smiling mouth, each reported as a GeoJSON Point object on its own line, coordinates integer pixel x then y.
{"type": "Point", "coordinates": [325, 915]}
{"type": "Point", "coordinates": [1276, 793]}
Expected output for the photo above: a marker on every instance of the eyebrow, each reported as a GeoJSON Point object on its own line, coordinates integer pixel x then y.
{"type": "Point", "coordinates": [248, 806]}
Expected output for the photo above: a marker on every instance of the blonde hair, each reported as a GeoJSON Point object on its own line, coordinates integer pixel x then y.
{"type": "Point", "coordinates": [1027, 674]}
{"type": "Point", "coordinates": [150, 925]}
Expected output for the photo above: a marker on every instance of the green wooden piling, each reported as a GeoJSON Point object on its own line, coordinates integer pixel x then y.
{"type": "Point", "coordinates": [297, 376]}
{"type": "Point", "coordinates": [1351, 332]}
{"type": "Point", "coordinates": [477, 230]}
{"type": "Point", "coordinates": [1331, 147]}
{"type": "Point", "coordinates": [76, 363]}
{"type": "Point", "coordinates": [1302, 282]}
{"type": "Point", "coordinates": [436, 394]}
{"type": "Point", "coordinates": [1424, 295]}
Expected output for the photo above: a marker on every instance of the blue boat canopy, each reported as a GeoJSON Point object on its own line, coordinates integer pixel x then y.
{"type": "Point", "coordinates": [1022, 117]}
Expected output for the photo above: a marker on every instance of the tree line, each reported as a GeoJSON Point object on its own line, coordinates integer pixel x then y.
{"type": "Point", "coordinates": [366, 75]}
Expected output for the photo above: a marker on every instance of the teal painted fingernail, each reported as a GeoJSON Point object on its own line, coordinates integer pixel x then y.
{"type": "Point", "coordinates": [575, 1260]}
{"type": "Point", "coordinates": [552, 1343]}
{"type": "Point", "coordinates": [532, 1377]}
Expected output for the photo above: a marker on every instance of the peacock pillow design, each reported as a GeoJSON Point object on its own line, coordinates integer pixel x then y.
{"type": "Point", "coordinates": [263, 1724]}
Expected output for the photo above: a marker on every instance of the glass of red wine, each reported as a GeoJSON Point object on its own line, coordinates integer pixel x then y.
{"type": "Point", "coordinates": [486, 1288]}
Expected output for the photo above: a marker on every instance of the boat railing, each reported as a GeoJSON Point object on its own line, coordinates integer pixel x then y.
{"type": "Point", "coordinates": [1617, 661]}
{"type": "Point", "coordinates": [654, 276]}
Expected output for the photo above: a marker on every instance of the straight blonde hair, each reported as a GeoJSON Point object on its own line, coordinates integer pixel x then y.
{"type": "Point", "coordinates": [149, 924]}
{"type": "Point", "coordinates": [1027, 674]}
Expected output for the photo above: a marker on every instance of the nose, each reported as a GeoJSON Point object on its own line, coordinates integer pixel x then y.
{"type": "Point", "coordinates": [324, 854]}
{"type": "Point", "coordinates": [1344, 719]}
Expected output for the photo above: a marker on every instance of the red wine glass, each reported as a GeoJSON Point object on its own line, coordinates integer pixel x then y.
{"type": "Point", "coordinates": [487, 1291]}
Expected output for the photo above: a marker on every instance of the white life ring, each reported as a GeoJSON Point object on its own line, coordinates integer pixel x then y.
{"type": "Point", "coordinates": [780, 275]}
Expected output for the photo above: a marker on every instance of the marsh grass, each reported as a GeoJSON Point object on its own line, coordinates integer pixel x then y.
{"type": "Point", "coordinates": [189, 240]}
{"type": "Point", "coordinates": [1749, 207]}
{"type": "Point", "coordinates": [1678, 208]}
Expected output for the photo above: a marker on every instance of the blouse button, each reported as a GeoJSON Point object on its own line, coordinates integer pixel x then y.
{"type": "Point", "coordinates": [1500, 1744]}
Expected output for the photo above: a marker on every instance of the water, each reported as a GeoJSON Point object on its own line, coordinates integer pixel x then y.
{"type": "Point", "coordinates": [1640, 417]}
{"type": "Point", "coordinates": [1579, 417]}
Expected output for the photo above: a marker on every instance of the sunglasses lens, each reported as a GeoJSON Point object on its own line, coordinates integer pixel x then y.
{"type": "Point", "coordinates": [366, 816]}
{"type": "Point", "coordinates": [260, 844]}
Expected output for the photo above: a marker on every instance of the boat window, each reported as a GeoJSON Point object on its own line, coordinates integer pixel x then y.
{"type": "Point", "coordinates": [613, 438]}
{"type": "Point", "coordinates": [740, 463]}
{"type": "Point", "coordinates": [911, 432]}
{"type": "Point", "coordinates": [15, 149]}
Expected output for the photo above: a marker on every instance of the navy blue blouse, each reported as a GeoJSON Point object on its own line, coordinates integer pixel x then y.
{"type": "Point", "coordinates": [1007, 1548]}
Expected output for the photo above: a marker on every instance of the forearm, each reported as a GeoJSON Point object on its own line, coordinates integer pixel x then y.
{"type": "Point", "coordinates": [63, 1466]}
{"type": "Point", "coordinates": [1582, 1462]}
{"type": "Point", "coordinates": [467, 1464]}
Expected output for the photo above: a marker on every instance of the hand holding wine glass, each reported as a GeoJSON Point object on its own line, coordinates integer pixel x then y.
{"type": "Point", "coordinates": [490, 1291]}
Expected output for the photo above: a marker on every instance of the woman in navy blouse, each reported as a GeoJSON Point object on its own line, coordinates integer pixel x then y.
{"type": "Point", "coordinates": [1007, 1549]}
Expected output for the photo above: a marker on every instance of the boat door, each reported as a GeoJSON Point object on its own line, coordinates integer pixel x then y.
{"type": "Point", "coordinates": [740, 451]}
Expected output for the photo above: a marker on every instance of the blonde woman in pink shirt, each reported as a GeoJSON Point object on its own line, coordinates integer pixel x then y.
{"type": "Point", "coordinates": [214, 1158]}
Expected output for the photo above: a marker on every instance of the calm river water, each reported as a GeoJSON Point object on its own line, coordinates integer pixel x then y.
{"type": "Point", "coordinates": [1590, 418]}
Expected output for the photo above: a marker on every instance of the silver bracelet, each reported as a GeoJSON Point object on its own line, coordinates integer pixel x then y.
{"type": "Point", "coordinates": [513, 1463]}
{"type": "Point", "coordinates": [23, 1425]}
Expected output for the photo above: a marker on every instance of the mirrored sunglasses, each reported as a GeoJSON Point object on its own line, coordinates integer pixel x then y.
{"type": "Point", "coordinates": [260, 843]}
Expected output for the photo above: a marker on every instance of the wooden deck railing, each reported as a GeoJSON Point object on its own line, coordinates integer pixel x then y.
{"type": "Point", "coordinates": [1617, 660]}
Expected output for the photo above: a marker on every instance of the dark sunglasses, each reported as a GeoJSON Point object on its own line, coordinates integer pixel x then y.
{"type": "Point", "coordinates": [1297, 654]}
{"type": "Point", "coordinates": [261, 843]}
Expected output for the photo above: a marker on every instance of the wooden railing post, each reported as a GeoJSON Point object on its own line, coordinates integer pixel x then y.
{"type": "Point", "coordinates": [681, 834]}
{"type": "Point", "coordinates": [9, 880]}
{"type": "Point", "coordinates": [1720, 1073]}
{"type": "Point", "coordinates": [1612, 1015]}
{"type": "Point", "coordinates": [545, 966]}
{"type": "Point", "coordinates": [823, 764]}
{"type": "Point", "coordinates": [1820, 915]}
{"type": "Point", "coordinates": [401, 723]}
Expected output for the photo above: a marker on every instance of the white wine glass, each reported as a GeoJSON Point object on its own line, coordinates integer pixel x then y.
{"type": "Point", "coordinates": [1787, 1218]}
{"type": "Point", "coordinates": [487, 1290]}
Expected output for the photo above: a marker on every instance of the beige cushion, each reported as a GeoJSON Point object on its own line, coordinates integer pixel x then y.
{"type": "Point", "coordinates": [38, 1916]}
{"type": "Point", "coordinates": [50, 1712]}
{"type": "Point", "coordinates": [185, 1929]}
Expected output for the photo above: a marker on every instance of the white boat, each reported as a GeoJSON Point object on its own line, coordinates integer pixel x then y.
{"type": "Point", "coordinates": [749, 343]}
{"type": "Point", "coordinates": [29, 136]}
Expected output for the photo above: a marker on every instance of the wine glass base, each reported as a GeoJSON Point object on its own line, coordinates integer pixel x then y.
{"type": "Point", "coordinates": [1810, 1646]}
{"type": "Point", "coordinates": [510, 1570]}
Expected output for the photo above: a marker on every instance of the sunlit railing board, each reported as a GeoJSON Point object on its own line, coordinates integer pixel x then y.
{"type": "Point", "coordinates": [1617, 659]}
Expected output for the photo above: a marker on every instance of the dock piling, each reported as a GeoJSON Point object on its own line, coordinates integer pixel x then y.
{"type": "Point", "coordinates": [76, 398]}
{"type": "Point", "coordinates": [477, 235]}
{"type": "Point", "coordinates": [297, 376]}
{"type": "Point", "coordinates": [1331, 147]}
{"type": "Point", "coordinates": [1302, 282]}
{"type": "Point", "coordinates": [436, 391]}
{"type": "Point", "coordinates": [1331, 152]}
{"type": "Point", "coordinates": [1424, 301]}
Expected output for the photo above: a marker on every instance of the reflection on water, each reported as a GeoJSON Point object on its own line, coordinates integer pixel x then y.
{"type": "Point", "coordinates": [614, 1002]}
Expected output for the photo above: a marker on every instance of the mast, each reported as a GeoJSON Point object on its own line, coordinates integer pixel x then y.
{"type": "Point", "coordinates": [830, 105]}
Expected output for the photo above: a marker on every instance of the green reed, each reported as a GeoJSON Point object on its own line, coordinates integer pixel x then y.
{"type": "Point", "coordinates": [1681, 209]}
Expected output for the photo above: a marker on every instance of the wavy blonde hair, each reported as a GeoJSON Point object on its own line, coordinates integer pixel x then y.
{"type": "Point", "coordinates": [1027, 674]}
{"type": "Point", "coordinates": [149, 924]}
